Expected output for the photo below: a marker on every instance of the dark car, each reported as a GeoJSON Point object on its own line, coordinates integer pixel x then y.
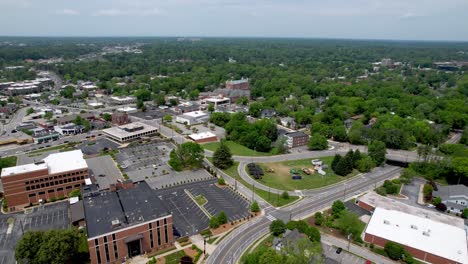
{"type": "Point", "coordinates": [338, 250]}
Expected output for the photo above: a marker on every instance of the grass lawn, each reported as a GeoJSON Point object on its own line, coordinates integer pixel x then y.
{"type": "Point", "coordinates": [237, 149]}
{"type": "Point", "coordinates": [274, 199]}
{"type": "Point", "coordinates": [266, 243]}
{"type": "Point", "coordinates": [174, 258]}
{"type": "Point", "coordinates": [281, 179]}
{"type": "Point", "coordinates": [200, 200]}
{"type": "Point", "coordinates": [61, 148]}
{"type": "Point", "coordinates": [8, 162]}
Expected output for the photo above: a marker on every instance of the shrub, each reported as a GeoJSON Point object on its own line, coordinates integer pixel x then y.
{"type": "Point", "coordinates": [318, 218]}
{"type": "Point", "coordinates": [254, 207]}
{"type": "Point", "coordinates": [285, 195]}
{"type": "Point", "coordinates": [221, 181]}
{"type": "Point", "coordinates": [394, 251]}
{"type": "Point", "coordinates": [277, 227]}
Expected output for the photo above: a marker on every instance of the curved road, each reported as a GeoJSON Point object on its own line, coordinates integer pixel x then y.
{"type": "Point", "coordinates": [232, 247]}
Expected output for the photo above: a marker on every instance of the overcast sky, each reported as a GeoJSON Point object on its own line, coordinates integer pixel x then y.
{"type": "Point", "coordinates": [369, 19]}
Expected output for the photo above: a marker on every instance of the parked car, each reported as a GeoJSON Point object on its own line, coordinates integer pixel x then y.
{"type": "Point", "coordinates": [338, 250]}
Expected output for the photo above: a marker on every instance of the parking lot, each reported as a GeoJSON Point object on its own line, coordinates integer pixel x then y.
{"type": "Point", "coordinates": [46, 217]}
{"type": "Point", "coordinates": [175, 178]}
{"type": "Point", "coordinates": [188, 217]}
{"type": "Point", "coordinates": [94, 147]}
{"type": "Point", "coordinates": [222, 199]}
{"type": "Point", "coordinates": [49, 216]}
{"type": "Point", "coordinates": [344, 257]}
{"type": "Point", "coordinates": [141, 162]}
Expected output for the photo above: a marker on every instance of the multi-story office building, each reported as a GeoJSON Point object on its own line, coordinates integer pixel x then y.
{"type": "Point", "coordinates": [55, 176]}
{"type": "Point", "coordinates": [124, 222]}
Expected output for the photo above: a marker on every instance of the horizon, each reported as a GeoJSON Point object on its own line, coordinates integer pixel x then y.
{"type": "Point", "coordinates": [419, 20]}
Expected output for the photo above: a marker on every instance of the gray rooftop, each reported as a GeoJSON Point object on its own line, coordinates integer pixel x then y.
{"type": "Point", "coordinates": [296, 134]}
{"type": "Point", "coordinates": [104, 170]}
{"type": "Point", "coordinates": [129, 206]}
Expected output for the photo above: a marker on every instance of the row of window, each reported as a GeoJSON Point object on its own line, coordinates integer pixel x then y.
{"type": "Point", "coordinates": [114, 242]}
{"type": "Point", "coordinates": [53, 183]}
{"type": "Point", "coordinates": [53, 190]}
{"type": "Point", "coordinates": [55, 177]}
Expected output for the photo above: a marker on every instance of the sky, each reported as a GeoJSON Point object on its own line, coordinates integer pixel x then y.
{"type": "Point", "coordinates": [351, 19]}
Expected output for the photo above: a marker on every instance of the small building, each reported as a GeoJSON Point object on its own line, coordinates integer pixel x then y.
{"type": "Point", "coordinates": [120, 118]}
{"type": "Point", "coordinates": [290, 237]}
{"type": "Point", "coordinates": [127, 221]}
{"type": "Point", "coordinates": [455, 197]}
{"type": "Point", "coordinates": [203, 137]}
{"type": "Point", "coordinates": [268, 113]}
{"type": "Point", "coordinates": [55, 176]}
{"type": "Point", "coordinates": [218, 101]}
{"type": "Point", "coordinates": [296, 139]}
{"type": "Point", "coordinates": [69, 129]}
{"type": "Point", "coordinates": [129, 132]}
{"type": "Point", "coordinates": [288, 122]}
{"type": "Point", "coordinates": [95, 105]}
{"type": "Point", "coordinates": [127, 109]}
{"type": "Point", "coordinates": [193, 118]}
{"type": "Point", "coordinates": [120, 100]}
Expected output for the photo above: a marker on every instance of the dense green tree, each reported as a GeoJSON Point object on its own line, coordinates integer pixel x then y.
{"type": "Point", "coordinates": [377, 152]}
{"type": "Point", "coordinates": [222, 218]}
{"type": "Point", "coordinates": [277, 227]}
{"type": "Point", "coordinates": [254, 207]}
{"type": "Point", "coordinates": [222, 157]}
{"type": "Point", "coordinates": [68, 92]}
{"type": "Point", "coordinates": [54, 246]}
{"type": "Point", "coordinates": [318, 217]}
{"type": "Point", "coordinates": [188, 155]}
{"type": "Point", "coordinates": [464, 137]}
{"type": "Point", "coordinates": [356, 134]}
{"type": "Point", "coordinates": [335, 161]}
{"type": "Point", "coordinates": [107, 117]}
{"type": "Point", "coordinates": [337, 207]}
{"type": "Point", "coordinates": [349, 223]}
{"type": "Point", "coordinates": [211, 108]}
{"type": "Point", "coordinates": [365, 164]}
{"type": "Point", "coordinates": [255, 109]}
{"type": "Point", "coordinates": [394, 251]}
{"type": "Point", "coordinates": [317, 142]}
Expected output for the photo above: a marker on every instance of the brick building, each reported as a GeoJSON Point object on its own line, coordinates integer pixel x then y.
{"type": "Point", "coordinates": [203, 137]}
{"type": "Point", "coordinates": [120, 118]}
{"type": "Point", "coordinates": [55, 176]}
{"type": "Point", "coordinates": [296, 139]}
{"type": "Point", "coordinates": [242, 84]}
{"type": "Point", "coordinates": [124, 222]}
{"type": "Point", "coordinates": [427, 235]}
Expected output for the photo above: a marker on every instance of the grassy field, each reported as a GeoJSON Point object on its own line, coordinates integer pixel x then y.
{"type": "Point", "coordinates": [61, 148]}
{"type": "Point", "coordinates": [274, 199]}
{"type": "Point", "coordinates": [237, 149]}
{"type": "Point", "coordinates": [8, 162]}
{"type": "Point", "coordinates": [201, 200]}
{"type": "Point", "coordinates": [281, 179]}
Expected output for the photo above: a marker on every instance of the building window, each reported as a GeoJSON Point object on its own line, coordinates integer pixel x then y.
{"type": "Point", "coordinates": [28, 188]}
{"type": "Point", "coordinates": [68, 187]}
{"type": "Point", "coordinates": [116, 252]}
{"type": "Point", "coordinates": [159, 236]}
{"type": "Point", "coordinates": [50, 191]}
{"type": "Point", "coordinates": [165, 221]}
{"type": "Point", "coordinates": [32, 195]}
{"type": "Point", "coordinates": [98, 253]}
{"type": "Point", "coordinates": [166, 237]}
{"type": "Point", "coordinates": [40, 193]}
{"type": "Point", "coordinates": [60, 189]}
{"type": "Point", "coordinates": [151, 238]}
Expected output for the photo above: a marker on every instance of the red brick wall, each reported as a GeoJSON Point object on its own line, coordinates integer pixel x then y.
{"type": "Point", "coordinates": [122, 249]}
{"type": "Point", "coordinates": [366, 206]}
{"type": "Point", "coordinates": [19, 192]}
{"type": "Point", "coordinates": [205, 140]}
{"type": "Point", "coordinates": [419, 254]}
{"type": "Point", "coordinates": [300, 141]}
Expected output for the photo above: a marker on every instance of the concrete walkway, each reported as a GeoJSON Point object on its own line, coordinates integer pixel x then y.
{"type": "Point", "coordinates": [356, 250]}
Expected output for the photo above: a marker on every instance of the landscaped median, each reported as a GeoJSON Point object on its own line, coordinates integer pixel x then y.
{"type": "Point", "coordinates": [276, 200]}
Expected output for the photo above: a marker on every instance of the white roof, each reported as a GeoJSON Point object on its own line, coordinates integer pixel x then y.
{"type": "Point", "coordinates": [195, 114]}
{"type": "Point", "coordinates": [95, 104]}
{"type": "Point", "coordinates": [127, 109]}
{"type": "Point", "coordinates": [74, 200]}
{"type": "Point", "coordinates": [88, 181]}
{"type": "Point", "coordinates": [202, 135]}
{"type": "Point", "coordinates": [120, 131]}
{"type": "Point", "coordinates": [55, 163]}
{"type": "Point", "coordinates": [116, 98]}
{"type": "Point", "coordinates": [441, 239]}
{"type": "Point", "coordinates": [23, 169]}
{"type": "Point", "coordinates": [65, 161]}
{"type": "Point", "coordinates": [217, 99]}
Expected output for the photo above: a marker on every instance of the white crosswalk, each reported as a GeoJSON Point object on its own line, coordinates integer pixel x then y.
{"type": "Point", "coordinates": [269, 216]}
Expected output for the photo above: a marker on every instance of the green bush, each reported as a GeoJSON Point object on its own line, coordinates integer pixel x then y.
{"type": "Point", "coordinates": [221, 181]}
{"type": "Point", "coordinates": [394, 251]}
{"type": "Point", "coordinates": [318, 218]}
{"type": "Point", "coordinates": [254, 207]}
{"type": "Point", "coordinates": [277, 227]}
{"type": "Point", "coordinates": [285, 195]}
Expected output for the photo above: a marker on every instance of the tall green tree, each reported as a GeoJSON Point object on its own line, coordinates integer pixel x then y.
{"type": "Point", "coordinates": [377, 151]}
{"type": "Point", "coordinates": [222, 157]}
{"type": "Point", "coordinates": [188, 155]}
{"type": "Point", "coordinates": [317, 142]}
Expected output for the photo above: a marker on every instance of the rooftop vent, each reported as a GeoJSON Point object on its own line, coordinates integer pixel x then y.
{"type": "Point", "coordinates": [115, 223]}
{"type": "Point", "coordinates": [426, 234]}
{"type": "Point", "coordinates": [414, 227]}
{"type": "Point", "coordinates": [386, 222]}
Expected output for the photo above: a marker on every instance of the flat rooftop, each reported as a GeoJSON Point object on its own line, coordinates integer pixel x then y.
{"type": "Point", "coordinates": [105, 171]}
{"type": "Point", "coordinates": [441, 239]}
{"type": "Point", "coordinates": [120, 131]}
{"type": "Point", "coordinates": [195, 114]}
{"type": "Point", "coordinates": [376, 200]}
{"type": "Point", "coordinates": [55, 163]}
{"type": "Point", "coordinates": [202, 135]}
{"type": "Point", "coordinates": [129, 206]}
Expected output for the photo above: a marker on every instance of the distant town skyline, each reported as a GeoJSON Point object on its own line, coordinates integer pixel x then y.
{"type": "Point", "coordinates": [352, 19]}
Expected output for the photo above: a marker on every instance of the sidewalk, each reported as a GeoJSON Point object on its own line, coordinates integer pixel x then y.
{"type": "Point", "coordinates": [357, 250]}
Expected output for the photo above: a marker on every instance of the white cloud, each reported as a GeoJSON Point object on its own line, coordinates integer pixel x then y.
{"type": "Point", "coordinates": [110, 12]}
{"type": "Point", "coordinates": [68, 12]}
{"type": "Point", "coordinates": [132, 12]}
